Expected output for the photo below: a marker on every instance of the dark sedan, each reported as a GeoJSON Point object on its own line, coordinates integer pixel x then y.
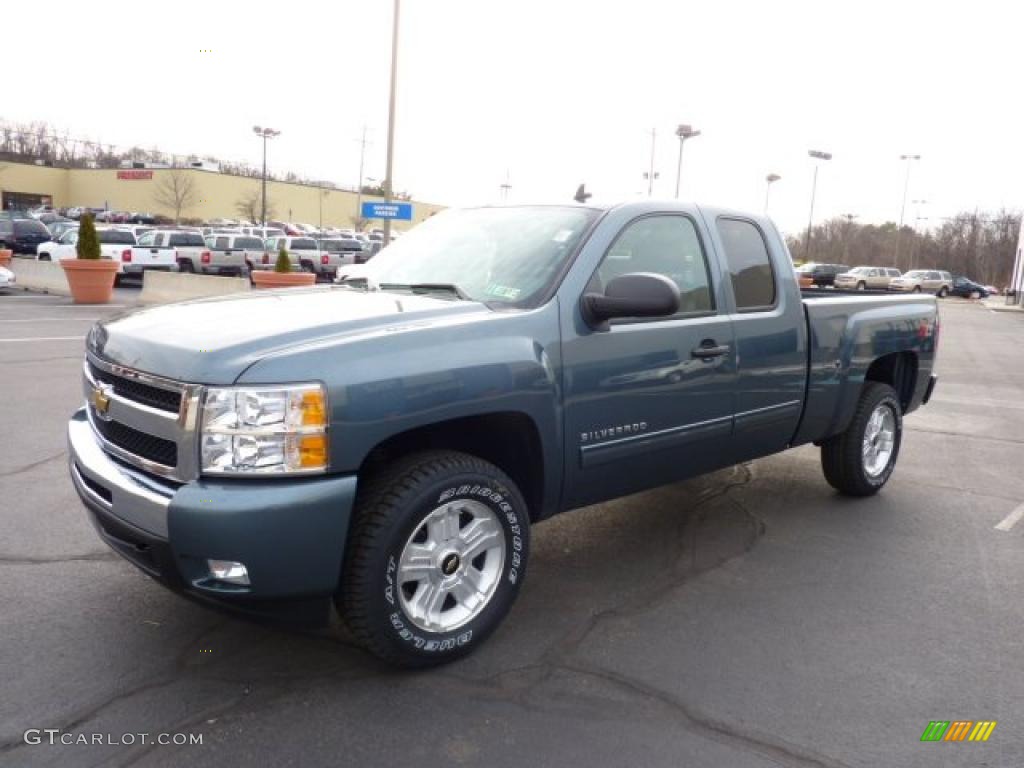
{"type": "Point", "coordinates": [968, 289]}
{"type": "Point", "coordinates": [23, 235]}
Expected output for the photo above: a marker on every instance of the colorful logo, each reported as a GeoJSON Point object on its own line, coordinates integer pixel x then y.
{"type": "Point", "coordinates": [958, 730]}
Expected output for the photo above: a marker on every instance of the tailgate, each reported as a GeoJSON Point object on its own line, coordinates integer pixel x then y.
{"type": "Point", "coordinates": [151, 256]}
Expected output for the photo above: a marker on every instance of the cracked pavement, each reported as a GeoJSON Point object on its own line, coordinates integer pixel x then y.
{"type": "Point", "coordinates": [747, 618]}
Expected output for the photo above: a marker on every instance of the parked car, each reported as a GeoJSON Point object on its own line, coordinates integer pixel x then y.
{"type": "Point", "coordinates": [139, 217]}
{"type": "Point", "coordinates": [233, 253]}
{"type": "Point", "coordinates": [822, 275]}
{"type": "Point", "coordinates": [389, 450]}
{"type": "Point", "coordinates": [303, 252]}
{"type": "Point", "coordinates": [190, 251]}
{"type": "Point", "coordinates": [337, 251]}
{"type": "Point", "coordinates": [22, 235]}
{"type": "Point", "coordinates": [862, 278]}
{"type": "Point", "coordinates": [968, 289]}
{"type": "Point", "coordinates": [58, 228]}
{"type": "Point", "coordinates": [7, 278]}
{"type": "Point", "coordinates": [923, 281]}
{"type": "Point", "coordinates": [154, 251]}
{"type": "Point", "coordinates": [262, 232]}
{"type": "Point", "coordinates": [114, 243]}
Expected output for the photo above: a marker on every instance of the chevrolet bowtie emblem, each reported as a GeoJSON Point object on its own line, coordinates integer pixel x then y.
{"type": "Point", "coordinates": [101, 398]}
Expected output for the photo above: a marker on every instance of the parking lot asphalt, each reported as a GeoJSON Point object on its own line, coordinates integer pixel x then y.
{"type": "Point", "coordinates": [747, 618]}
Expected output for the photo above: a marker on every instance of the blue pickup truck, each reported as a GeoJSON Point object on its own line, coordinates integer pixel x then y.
{"type": "Point", "coordinates": [384, 445]}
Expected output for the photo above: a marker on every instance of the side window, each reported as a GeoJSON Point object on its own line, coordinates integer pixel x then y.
{"type": "Point", "coordinates": [750, 267]}
{"type": "Point", "coordinates": [665, 245]}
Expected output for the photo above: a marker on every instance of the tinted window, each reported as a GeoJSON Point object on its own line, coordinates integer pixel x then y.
{"type": "Point", "coordinates": [303, 244]}
{"type": "Point", "coordinates": [665, 245]}
{"type": "Point", "coordinates": [32, 227]}
{"type": "Point", "coordinates": [221, 242]}
{"type": "Point", "coordinates": [750, 269]}
{"type": "Point", "coordinates": [185, 239]}
{"type": "Point", "coordinates": [116, 236]}
{"type": "Point", "coordinates": [249, 242]}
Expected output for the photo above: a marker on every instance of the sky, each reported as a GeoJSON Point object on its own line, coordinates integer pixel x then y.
{"type": "Point", "coordinates": [551, 94]}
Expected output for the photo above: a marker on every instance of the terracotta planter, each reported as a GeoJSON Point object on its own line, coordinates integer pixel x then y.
{"type": "Point", "coordinates": [5, 257]}
{"type": "Point", "coordinates": [91, 280]}
{"type": "Point", "coordinates": [271, 279]}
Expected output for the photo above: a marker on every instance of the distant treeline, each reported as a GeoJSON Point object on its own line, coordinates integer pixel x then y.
{"type": "Point", "coordinates": [979, 245]}
{"type": "Point", "coordinates": [39, 142]}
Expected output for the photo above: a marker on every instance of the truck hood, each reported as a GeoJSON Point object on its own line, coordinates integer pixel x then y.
{"type": "Point", "coordinates": [212, 341]}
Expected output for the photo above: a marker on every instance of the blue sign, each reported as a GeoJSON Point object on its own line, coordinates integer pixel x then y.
{"type": "Point", "coordinates": [400, 211]}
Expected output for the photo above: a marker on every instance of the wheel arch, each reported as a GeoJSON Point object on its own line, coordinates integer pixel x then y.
{"type": "Point", "coordinates": [900, 371]}
{"type": "Point", "coordinates": [517, 451]}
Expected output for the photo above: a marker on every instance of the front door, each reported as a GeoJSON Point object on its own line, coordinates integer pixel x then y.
{"type": "Point", "coordinates": [650, 401]}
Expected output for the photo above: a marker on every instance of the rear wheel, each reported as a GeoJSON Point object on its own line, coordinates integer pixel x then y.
{"type": "Point", "coordinates": [860, 461]}
{"type": "Point", "coordinates": [185, 265]}
{"type": "Point", "coordinates": [943, 292]}
{"type": "Point", "coordinates": [44, 257]}
{"type": "Point", "coordinates": [917, 289]}
{"type": "Point", "coordinates": [975, 294]}
{"type": "Point", "coordinates": [435, 559]}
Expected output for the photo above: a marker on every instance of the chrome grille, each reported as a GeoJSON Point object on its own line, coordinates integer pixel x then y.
{"type": "Point", "coordinates": [133, 389]}
{"type": "Point", "coordinates": [149, 421]}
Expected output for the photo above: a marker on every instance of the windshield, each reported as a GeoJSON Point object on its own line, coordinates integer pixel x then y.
{"type": "Point", "coordinates": [504, 255]}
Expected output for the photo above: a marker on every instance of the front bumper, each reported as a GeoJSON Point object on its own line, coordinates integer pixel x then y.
{"type": "Point", "coordinates": [289, 533]}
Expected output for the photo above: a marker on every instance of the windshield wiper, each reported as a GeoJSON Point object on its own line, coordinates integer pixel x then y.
{"type": "Point", "coordinates": [451, 288]}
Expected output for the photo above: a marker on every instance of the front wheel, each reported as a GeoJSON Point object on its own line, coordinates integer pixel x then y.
{"type": "Point", "coordinates": [435, 560]}
{"type": "Point", "coordinates": [862, 286]}
{"type": "Point", "coordinates": [859, 461]}
{"type": "Point", "coordinates": [917, 289]}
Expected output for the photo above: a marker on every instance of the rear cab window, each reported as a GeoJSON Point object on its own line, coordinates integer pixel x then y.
{"type": "Point", "coordinates": [749, 265]}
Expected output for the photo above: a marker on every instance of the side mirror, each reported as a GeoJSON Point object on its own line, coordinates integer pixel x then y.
{"type": "Point", "coordinates": [639, 294]}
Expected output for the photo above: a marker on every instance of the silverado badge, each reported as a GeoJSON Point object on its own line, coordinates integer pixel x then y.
{"type": "Point", "coordinates": [101, 398]}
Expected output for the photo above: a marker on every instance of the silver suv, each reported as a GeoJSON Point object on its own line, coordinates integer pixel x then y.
{"type": "Point", "coordinates": [862, 278]}
{"type": "Point", "coordinates": [924, 280]}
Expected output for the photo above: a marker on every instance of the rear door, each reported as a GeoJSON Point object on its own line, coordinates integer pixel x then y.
{"type": "Point", "coordinates": [767, 315]}
{"type": "Point", "coordinates": [650, 401]}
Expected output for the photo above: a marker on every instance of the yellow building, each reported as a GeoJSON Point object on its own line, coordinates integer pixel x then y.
{"type": "Point", "coordinates": [217, 195]}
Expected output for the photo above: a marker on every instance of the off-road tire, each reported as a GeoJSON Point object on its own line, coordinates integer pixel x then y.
{"type": "Point", "coordinates": [841, 456]}
{"type": "Point", "coordinates": [389, 510]}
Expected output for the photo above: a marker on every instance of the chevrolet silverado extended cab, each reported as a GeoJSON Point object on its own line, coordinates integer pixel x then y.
{"type": "Point", "coordinates": [385, 445]}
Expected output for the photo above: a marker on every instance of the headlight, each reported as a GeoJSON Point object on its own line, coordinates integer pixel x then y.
{"type": "Point", "coordinates": [264, 430]}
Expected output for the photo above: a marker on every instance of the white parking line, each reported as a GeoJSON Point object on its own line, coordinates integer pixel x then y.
{"type": "Point", "coordinates": [1011, 519]}
{"type": "Point", "coordinates": [43, 338]}
{"type": "Point", "coordinates": [59, 320]}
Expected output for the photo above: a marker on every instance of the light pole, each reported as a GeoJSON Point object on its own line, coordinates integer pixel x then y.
{"type": "Point", "coordinates": [389, 178]}
{"type": "Point", "coordinates": [770, 179]}
{"type": "Point", "coordinates": [684, 132]}
{"type": "Point", "coordinates": [918, 218]}
{"type": "Point", "coordinates": [264, 133]}
{"type": "Point", "coordinates": [908, 159]}
{"type": "Point", "coordinates": [359, 191]}
{"type": "Point", "coordinates": [651, 175]}
{"type": "Point", "coordinates": [814, 190]}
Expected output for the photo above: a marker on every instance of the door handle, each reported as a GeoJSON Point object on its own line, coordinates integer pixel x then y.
{"type": "Point", "coordinates": [708, 350]}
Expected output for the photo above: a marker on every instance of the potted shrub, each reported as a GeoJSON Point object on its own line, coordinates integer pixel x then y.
{"type": "Point", "coordinates": [5, 257]}
{"type": "Point", "coordinates": [282, 275]}
{"type": "Point", "coordinates": [90, 278]}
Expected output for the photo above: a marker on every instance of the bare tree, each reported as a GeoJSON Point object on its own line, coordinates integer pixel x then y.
{"type": "Point", "coordinates": [250, 206]}
{"type": "Point", "coordinates": [176, 191]}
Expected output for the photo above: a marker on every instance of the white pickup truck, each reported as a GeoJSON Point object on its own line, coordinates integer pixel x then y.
{"type": "Point", "coordinates": [153, 252]}
{"type": "Point", "coordinates": [232, 253]}
{"type": "Point", "coordinates": [304, 253]}
{"type": "Point", "coordinates": [114, 243]}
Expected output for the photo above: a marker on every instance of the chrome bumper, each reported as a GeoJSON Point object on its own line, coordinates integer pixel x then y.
{"type": "Point", "coordinates": [111, 487]}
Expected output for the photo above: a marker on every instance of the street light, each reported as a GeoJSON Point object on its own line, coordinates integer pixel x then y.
{"type": "Point", "coordinates": [264, 133]}
{"type": "Point", "coordinates": [771, 178]}
{"type": "Point", "coordinates": [684, 132]}
{"type": "Point", "coordinates": [389, 177]}
{"type": "Point", "coordinates": [817, 155]}
{"type": "Point", "coordinates": [651, 175]}
{"type": "Point", "coordinates": [908, 159]}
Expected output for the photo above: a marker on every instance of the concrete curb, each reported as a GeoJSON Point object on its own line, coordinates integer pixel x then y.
{"type": "Point", "coordinates": [167, 287]}
{"type": "Point", "coordinates": [45, 276]}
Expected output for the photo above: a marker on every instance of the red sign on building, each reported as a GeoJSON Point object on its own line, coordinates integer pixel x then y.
{"type": "Point", "coordinates": [134, 175]}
